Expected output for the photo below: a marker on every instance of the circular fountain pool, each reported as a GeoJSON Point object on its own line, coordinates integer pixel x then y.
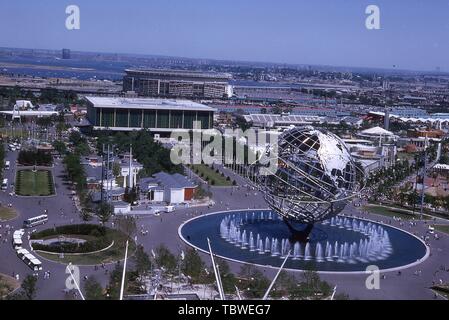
{"type": "Point", "coordinates": [341, 244]}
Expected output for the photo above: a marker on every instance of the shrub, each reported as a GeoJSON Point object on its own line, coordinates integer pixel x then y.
{"type": "Point", "coordinates": [31, 157]}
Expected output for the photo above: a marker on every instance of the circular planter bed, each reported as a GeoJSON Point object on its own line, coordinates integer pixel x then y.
{"type": "Point", "coordinates": [82, 244]}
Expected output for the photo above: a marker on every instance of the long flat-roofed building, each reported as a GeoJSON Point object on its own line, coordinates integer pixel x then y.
{"type": "Point", "coordinates": [157, 115]}
{"type": "Point", "coordinates": [177, 83]}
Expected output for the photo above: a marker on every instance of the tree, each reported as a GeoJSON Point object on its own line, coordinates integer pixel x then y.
{"type": "Point", "coordinates": [29, 287]}
{"type": "Point", "coordinates": [34, 157]}
{"type": "Point", "coordinates": [165, 259]}
{"type": "Point", "coordinates": [76, 138]}
{"type": "Point", "coordinates": [59, 146]}
{"type": "Point", "coordinates": [60, 128]}
{"type": "Point", "coordinates": [44, 122]}
{"type": "Point", "coordinates": [113, 288]}
{"type": "Point", "coordinates": [151, 154]}
{"type": "Point", "coordinates": [75, 171]}
{"type": "Point", "coordinates": [311, 287]}
{"type": "Point", "coordinates": [130, 195]}
{"type": "Point", "coordinates": [82, 149]}
{"type": "Point", "coordinates": [242, 123]}
{"type": "Point", "coordinates": [284, 284]}
{"type": "Point", "coordinates": [255, 284]}
{"type": "Point", "coordinates": [126, 224]}
{"type": "Point", "coordinates": [141, 260]}
{"type": "Point", "coordinates": [93, 289]}
{"type": "Point", "coordinates": [104, 211]}
{"type": "Point", "coordinates": [5, 288]}
{"type": "Point", "coordinates": [228, 279]}
{"type": "Point", "coordinates": [116, 169]}
{"type": "Point", "coordinates": [85, 215]}
{"type": "Point", "coordinates": [193, 265]}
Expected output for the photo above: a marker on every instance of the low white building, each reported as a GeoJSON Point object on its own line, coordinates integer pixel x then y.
{"type": "Point", "coordinates": [121, 207]}
{"type": "Point", "coordinates": [168, 188]}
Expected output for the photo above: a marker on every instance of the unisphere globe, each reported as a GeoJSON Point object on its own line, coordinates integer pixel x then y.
{"type": "Point", "coordinates": [314, 179]}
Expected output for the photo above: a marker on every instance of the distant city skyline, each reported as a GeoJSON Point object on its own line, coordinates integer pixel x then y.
{"type": "Point", "coordinates": [412, 36]}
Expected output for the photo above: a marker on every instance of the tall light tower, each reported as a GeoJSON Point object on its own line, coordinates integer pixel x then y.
{"type": "Point", "coordinates": [131, 173]}
{"type": "Point", "coordinates": [423, 178]}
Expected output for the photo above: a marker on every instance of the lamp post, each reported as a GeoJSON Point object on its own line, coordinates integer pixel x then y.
{"type": "Point", "coordinates": [423, 179]}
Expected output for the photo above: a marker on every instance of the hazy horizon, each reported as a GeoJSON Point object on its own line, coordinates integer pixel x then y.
{"type": "Point", "coordinates": [320, 33]}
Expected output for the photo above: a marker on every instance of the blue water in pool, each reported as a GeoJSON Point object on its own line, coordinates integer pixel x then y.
{"type": "Point", "coordinates": [341, 244]}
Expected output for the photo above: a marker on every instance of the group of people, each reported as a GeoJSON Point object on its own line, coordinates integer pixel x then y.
{"type": "Point", "coordinates": [47, 274]}
{"type": "Point", "coordinates": [5, 232]}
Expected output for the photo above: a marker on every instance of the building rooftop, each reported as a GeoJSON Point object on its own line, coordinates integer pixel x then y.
{"type": "Point", "coordinates": [277, 118]}
{"type": "Point", "coordinates": [147, 103]}
{"type": "Point", "coordinates": [167, 180]}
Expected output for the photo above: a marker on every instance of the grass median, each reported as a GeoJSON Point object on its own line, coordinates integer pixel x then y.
{"type": "Point", "coordinates": [210, 175]}
{"type": "Point", "coordinates": [393, 212]}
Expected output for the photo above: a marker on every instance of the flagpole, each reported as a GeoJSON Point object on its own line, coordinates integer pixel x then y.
{"type": "Point", "coordinates": [124, 272]}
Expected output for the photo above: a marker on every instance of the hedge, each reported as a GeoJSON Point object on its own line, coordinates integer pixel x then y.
{"type": "Point", "coordinates": [82, 229]}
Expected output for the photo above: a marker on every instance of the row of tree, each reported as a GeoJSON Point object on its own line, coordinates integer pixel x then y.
{"type": "Point", "coordinates": [2, 158]}
{"type": "Point", "coordinates": [250, 281]}
{"type": "Point", "coordinates": [151, 154]}
{"type": "Point", "coordinates": [34, 157]}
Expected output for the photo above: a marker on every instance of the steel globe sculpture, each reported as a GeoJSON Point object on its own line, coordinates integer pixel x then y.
{"type": "Point", "coordinates": [315, 177]}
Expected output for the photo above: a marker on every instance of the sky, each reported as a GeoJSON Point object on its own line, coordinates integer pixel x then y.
{"type": "Point", "coordinates": [413, 34]}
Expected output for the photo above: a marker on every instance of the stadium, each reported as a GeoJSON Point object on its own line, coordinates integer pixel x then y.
{"type": "Point", "coordinates": [177, 83]}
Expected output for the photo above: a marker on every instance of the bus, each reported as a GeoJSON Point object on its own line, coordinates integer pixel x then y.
{"type": "Point", "coordinates": [17, 239]}
{"type": "Point", "coordinates": [7, 165]}
{"type": "Point", "coordinates": [22, 252]}
{"type": "Point", "coordinates": [17, 243]}
{"type": "Point", "coordinates": [32, 262]}
{"type": "Point", "coordinates": [35, 221]}
{"type": "Point", "coordinates": [5, 184]}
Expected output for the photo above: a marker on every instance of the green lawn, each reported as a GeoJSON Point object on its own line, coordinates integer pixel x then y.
{"type": "Point", "coordinates": [208, 172]}
{"type": "Point", "coordinates": [7, 213]}
{"type": "Point", "coordinates": [442, 228]}
{"type": "Point", "coordinates": [398, 213]}
{"type": "Point", "coordinates": [39, 183]}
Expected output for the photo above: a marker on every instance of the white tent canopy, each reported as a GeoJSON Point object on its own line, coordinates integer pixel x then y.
{"type": "Point", "coordinates": [377, 131]}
